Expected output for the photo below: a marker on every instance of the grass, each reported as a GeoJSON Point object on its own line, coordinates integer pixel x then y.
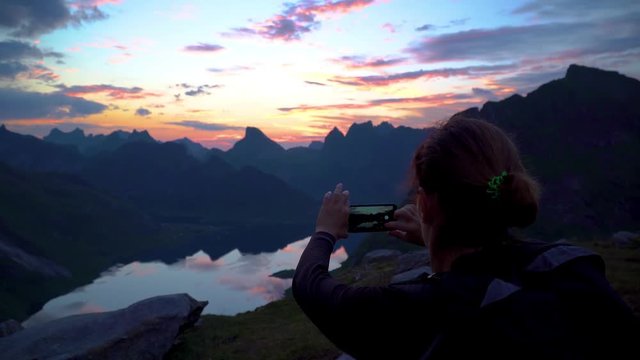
{"type": "Point", "coordinates": [623, 270]}
{"type": "Point", "coordinates": [280, 330]}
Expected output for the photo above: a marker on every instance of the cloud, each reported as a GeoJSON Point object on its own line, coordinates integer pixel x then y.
{"type": "Point", "coordinates": [386, 80]}
{"type": "Point", "coordinates": [389, 27]}
{"type": "Point", "coordinates": [91, 3]}
{"type": "Point", "coordinates": [196, 90]}
{"type": "Point", "coordinates": [203, 47]}
{"type": "Point", "coordinates": [41, 72]}
{"type": "Point", "coordinates": [452, 23]}
{"type": "Point", "coordinates": [527, 81]}
{"type": "Point", "coordinates": [230, 70]}
{"type": "Point", "coordinates": [315, 83]}
{"type": "Point", "coordinates": [458, 22]}
{"type": "Point", "coordinates": [17, 57]}
{"type": "Point", "coordinates": [115, 92]}
{"type": "Point", "coordinates": [10, 69]}
{"type": "Point", "coordinates": [298, 18]}
{"type": "Point", "coordinates": [484, 93]}
{"type": "Point", "coordinates": [361, 62]}
{"type": "Point", "coordinates": [511, 43]}
{"type": "Point", "coordinates": [143, 112]}
{"type": "Point", "coordinates": [427, 100]}
{"type": "Point", "coordinates": [200, 125]}
{"type": "Point", "coordinates": [18, 104]}
{"type": "Point", "coordinates": [87, 14]}
{"type": "Point", "coordinates": [18, 50]}
{"type": "Point", "coordinates": [426, 27]}
{"type": "Point", "coordinates": [575, 8]}
{"type": "Point", "coordinates": [34, 18]}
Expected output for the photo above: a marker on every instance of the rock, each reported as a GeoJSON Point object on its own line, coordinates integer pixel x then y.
{"type": "Point", "coordinates": [380, 255]}
{"type": "Point", "coordinates": [412, 260]}
{"type": "Point", "coordinates": [9, 327]}
{"type": "Point", "coordinates": [144, 330]}
{"type": "Point", "coordinates": [624, 238]}
{"type": "Point", "coordinates": [411, 274]}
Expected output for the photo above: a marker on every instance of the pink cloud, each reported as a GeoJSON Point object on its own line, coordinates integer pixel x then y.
{"type": "Point", "coordinates": [203, 47]}
{"type": "Point", "coordinates": [298, 19]}
{"type": "Point", "coordinates": [389, 27]}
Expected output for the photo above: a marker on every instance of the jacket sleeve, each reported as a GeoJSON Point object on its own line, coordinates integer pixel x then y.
{"type": "Point", "coordinates": [362, 321]}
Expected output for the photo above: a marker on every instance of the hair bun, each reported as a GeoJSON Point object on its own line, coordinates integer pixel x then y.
{"type": "Point", "coordinates": [519, 197]}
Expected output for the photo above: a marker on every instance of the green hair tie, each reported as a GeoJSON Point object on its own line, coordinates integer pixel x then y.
{"type": "Point", "coordinates": [494, 185]}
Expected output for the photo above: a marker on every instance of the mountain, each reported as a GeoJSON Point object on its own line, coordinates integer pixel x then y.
{"type": "Point", "coordinates": [372, 161]}
{"type": "Point", "coordinates": [167, 182]}
{"type": "Point", "coordinates": [580, 136]}
{"type": "Point", "coordinates": [193, 148]}
{"type": "Point", "coordinates": [75, 137]}
{"type": "Point", "coordinates": [30, 153]}
{"type": "Point", "coordinates": [58, 232]}
{"type": "Point", "coordinates": [255, 145]}
{"type": "Point", "coordinates": [95, 144]}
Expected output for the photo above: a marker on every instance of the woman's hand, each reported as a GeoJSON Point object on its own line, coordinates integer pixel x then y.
{"type": "Point", "coordinates": [406, 225]}
{"type": "Point", "coordinates": [334, 213]}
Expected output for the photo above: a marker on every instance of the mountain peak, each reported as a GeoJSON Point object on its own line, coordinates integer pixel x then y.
{"type": "Point", "coordinates": [75, 137]}
{"type": "Point", "coordinates": [251, 131]}
{"type": "Point", "coordinates": [576, 71]}
{"type": "Point", "coordinates": [141, 136]}
{"type": "Point", "coordinates": [255, 142]}
{"type": "Point", "coordinates": [335, 132]}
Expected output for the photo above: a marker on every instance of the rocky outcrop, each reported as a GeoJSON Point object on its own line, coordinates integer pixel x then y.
{"type": "Point", "coordinates": [144, 330]}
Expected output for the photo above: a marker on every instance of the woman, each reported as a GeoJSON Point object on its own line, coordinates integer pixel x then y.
{"type": "Point", "coordinates": [490, 294]}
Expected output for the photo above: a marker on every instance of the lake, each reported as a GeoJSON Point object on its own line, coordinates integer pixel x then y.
{"type": "Point", "coordinates": [232, 283]}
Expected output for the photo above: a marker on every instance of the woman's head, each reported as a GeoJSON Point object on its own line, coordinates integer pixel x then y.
{"type": "Point", "coordinates": [454, 167]}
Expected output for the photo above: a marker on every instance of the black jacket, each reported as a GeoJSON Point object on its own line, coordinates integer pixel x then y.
{"type": "Point", "coordinates": [525, 300]}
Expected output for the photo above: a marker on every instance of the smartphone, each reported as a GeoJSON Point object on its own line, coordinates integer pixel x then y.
{"type": "Point", "coordinates": [370, 218]}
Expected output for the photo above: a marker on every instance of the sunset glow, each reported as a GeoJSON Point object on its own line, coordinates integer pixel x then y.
{"type": "Point", "coordinates": [207, 69]}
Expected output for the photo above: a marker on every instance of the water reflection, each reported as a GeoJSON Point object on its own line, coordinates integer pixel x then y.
{"type": "Point", "coordinates": [233, 283]}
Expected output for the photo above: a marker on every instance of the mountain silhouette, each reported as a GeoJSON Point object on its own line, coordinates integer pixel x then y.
{"type": "Point", "coordinates": [164, 180]}
{"type": "Point", "coordinates": [193, 148]}
{"type": "Point", "coordinates": [580, 136]}
{"type": "Point", "coordinates": [30, 153]}
{"type": "Point", "coordinates": [254, 145]}
{"type": "Point", "coordinates": [372, 161]}
{"type": "Point", "coordinates": [95, 144]}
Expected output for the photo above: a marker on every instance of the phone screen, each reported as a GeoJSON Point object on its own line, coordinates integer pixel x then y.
{"type": "Point", "coordinates": [370, 218]}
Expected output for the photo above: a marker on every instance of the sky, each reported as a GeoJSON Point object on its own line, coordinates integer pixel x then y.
{"type": "Point", "coordinates": [207, 69]}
